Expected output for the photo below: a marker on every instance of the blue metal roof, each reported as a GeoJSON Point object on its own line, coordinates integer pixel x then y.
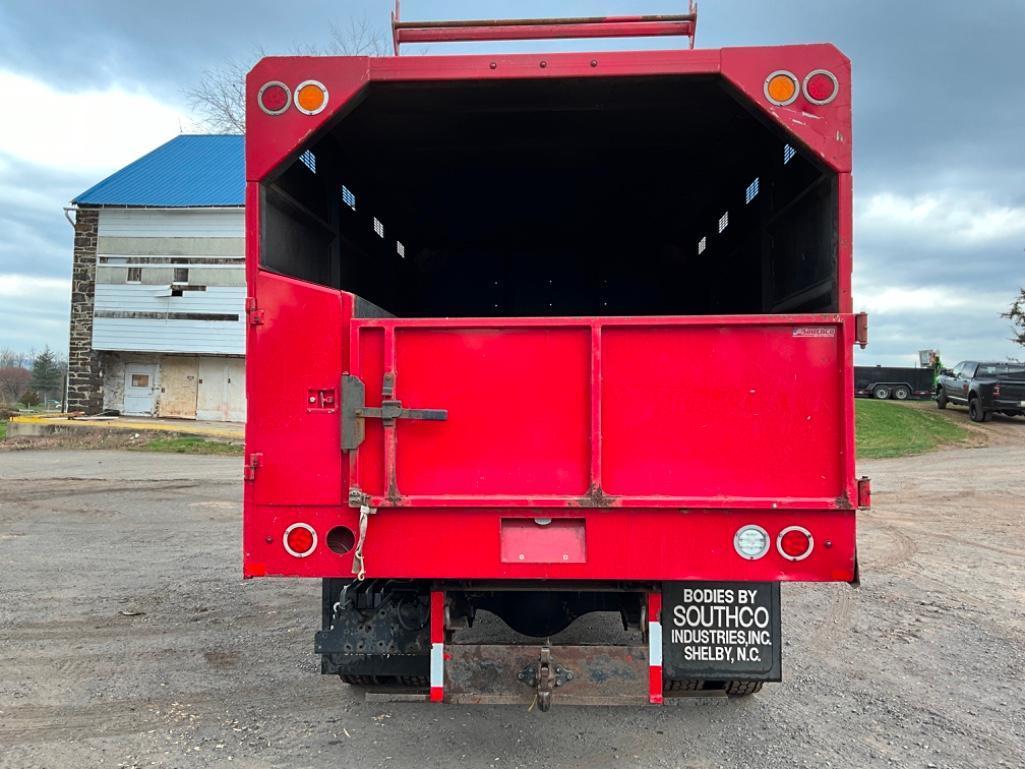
{"type": "Point", "coordinates": [190, 171]}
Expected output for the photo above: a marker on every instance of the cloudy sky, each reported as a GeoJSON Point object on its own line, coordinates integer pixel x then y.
{"type": "Point", "coordinates": [89, 85]}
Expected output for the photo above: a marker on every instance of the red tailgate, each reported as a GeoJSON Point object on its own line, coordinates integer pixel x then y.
{"type": "Point", "coordinates": [601, 412]}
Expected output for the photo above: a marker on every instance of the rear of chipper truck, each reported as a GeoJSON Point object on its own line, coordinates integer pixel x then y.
{"type": "Point", "coordinates": [536, 336]}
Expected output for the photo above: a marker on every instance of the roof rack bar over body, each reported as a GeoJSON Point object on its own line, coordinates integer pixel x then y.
{"type": "Point", "coordinates": [661, 25]}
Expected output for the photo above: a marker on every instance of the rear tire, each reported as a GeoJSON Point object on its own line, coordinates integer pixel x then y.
{"type": "Point", "coordinates": [941, 398]}
{"type": "Point", "coordinates": [407, 682]}
{"type": "Point", "coordinates": [730, 688]}
{"type": "Point", "coordinates": [684, 686]}
{"type": "Point", "coordinates": [881, 392]}
{"type": "Point", "coordinates": [743, 688]}
{"type": "Point", "coordinates": [360, 680]}
{"type": "Point", "coordinates": [901, 393]}
{"type": "Point", "coordinates": [975, 411]}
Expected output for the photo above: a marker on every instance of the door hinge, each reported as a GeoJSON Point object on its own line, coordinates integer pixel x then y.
{"type": "Point", "coordinates": [254, 313]}
{"type": "Point", "coordinates": [861, 329]}
{"type": "Point", "coordinates": [249, 470]}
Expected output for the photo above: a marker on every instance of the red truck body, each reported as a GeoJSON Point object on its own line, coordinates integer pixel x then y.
{"type": "Point", "coordinates": [566, 446]}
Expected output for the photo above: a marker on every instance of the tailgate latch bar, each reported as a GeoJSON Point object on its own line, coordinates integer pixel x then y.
{"type": "Point", "coordinates": [355, 410]}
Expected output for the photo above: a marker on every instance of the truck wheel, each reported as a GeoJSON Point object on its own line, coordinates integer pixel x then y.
{"type": "Point", "coordinates": [731, 688]}
{"type": "Point", "coordinates": [684, 686]}
{"type": "Point", "coordinates": [742, 688]}
{"type": "Point", "coordinates": [975, 411]}
{"type": "Point", "coordinates": [360, 680]}
{"type": "Point", "coordinates": [409, 682]}
{"type": "Point", "coordinates": [941, 398]}
{"type": "Point", "coordinates": [901, 393]}
{"type": "Point", "coordinates": [881, 392]}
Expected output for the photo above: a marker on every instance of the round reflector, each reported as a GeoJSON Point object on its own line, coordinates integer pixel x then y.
{"type": "Point", "coordinates": [751, 542]}
{"type": "Point", "coordinates": [300, 540]}
{"type": "Point", "coordinates": [781, 87]}
{"type": "Point", "coordinates": [274, 97]}
{"type": "Point", "coordinates": [794, 543]}
{"type": "Point", "coordinates": [310, 97]}
{"type": "Point", "coordinates": [820, 86]}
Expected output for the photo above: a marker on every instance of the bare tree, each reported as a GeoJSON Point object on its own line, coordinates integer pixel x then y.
{"type": "Point", "coordinates": [1017, 317]}
{"type": "Point", "coordinates": [219, 98]}
{"type": "Point", "coordinates": [14, 381]}
{"type": "Point", "coordinates": [12, 358]}
{"type": "Point", "coordinates": [358, 37]}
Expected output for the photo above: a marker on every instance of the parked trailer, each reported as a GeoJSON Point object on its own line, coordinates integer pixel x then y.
{"type": "Point", "coordinates": [896, 382]}
{"type": "Point", "coordinates": [483, 293]}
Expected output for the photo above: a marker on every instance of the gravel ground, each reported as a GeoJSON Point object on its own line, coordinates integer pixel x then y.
{"type": "Point", "coordinates": [128, 639]}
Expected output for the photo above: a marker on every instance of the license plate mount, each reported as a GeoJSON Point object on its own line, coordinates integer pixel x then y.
{"type": "Point", "coordinates": [721, 631]}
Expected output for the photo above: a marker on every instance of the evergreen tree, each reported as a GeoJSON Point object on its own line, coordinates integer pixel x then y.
{"type": "Point", "coordinates": [46, 375]}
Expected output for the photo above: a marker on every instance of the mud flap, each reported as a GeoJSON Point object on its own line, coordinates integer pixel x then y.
{"type": "Point", "coordinates": [721, 631]}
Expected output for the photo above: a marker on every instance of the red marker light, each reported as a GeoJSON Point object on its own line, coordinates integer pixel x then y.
{"type": "Point", "coordinates": [820, 86]}
{"type": "Point", "coordinates": [274, 97]}
{"type": "Point", "coordinates": [794, 543]}
{"type": "Point", "coordinates": [300, 540]}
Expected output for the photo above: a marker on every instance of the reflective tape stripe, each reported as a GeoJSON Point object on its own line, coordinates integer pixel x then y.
{"type": "Point", "coordinates": [437, 665]}
{"type": "Point", "coordinates": [655, 685]}
{"type": "Point", "coordinates": [655, 644]}
{"type": "Point", "coordinates": [655, 648]}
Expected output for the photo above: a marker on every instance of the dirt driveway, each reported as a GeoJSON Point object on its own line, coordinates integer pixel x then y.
{"type": "Point", "coordinates": [128, 639]}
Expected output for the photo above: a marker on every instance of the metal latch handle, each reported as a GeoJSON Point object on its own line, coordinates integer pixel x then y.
{"type": "Point", "coordinates": [355, 410]}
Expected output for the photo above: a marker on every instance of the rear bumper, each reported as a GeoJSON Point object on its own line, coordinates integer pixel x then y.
{"type": "Point", "coordinates": [1007, 405]}
{"type": "Point", "coordinates": [637, 544]}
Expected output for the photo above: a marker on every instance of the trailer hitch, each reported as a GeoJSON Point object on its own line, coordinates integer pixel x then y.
{"type": "Point", "coordinates": [545, 677]}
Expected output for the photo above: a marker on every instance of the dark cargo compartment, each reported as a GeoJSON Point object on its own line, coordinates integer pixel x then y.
{"type": "Point", "coordinates": [628, 196]}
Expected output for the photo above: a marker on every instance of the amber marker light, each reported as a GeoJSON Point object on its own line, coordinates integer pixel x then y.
{"type": "Point", "coordinates": [310, 97]}
{"type": "Point", "coordinates": [782, 88]}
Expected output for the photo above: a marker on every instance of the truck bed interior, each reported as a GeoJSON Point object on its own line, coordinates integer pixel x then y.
{"type": "Point", "coordinates": [557, 197]}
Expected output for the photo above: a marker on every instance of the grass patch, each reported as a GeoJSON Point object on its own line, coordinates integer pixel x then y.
{"type": "Point", "coordinates": [189, 444]}
{"type": "Point", "coordinates": [3, 429]}
{"type": "Point", "coordinates": [893, 430]}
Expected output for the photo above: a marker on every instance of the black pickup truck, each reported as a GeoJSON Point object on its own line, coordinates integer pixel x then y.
{"type": "Point", "coordinates": [985, 388]}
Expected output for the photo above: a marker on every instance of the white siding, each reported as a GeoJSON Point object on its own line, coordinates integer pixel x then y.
{"type": "Point", "coordinates": [169, 335]}
{"type": "Point", "coordinates": [158, 223]}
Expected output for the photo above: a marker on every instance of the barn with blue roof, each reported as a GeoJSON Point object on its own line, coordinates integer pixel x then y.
{"type": "Point", "coordinates": [158, 286]}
